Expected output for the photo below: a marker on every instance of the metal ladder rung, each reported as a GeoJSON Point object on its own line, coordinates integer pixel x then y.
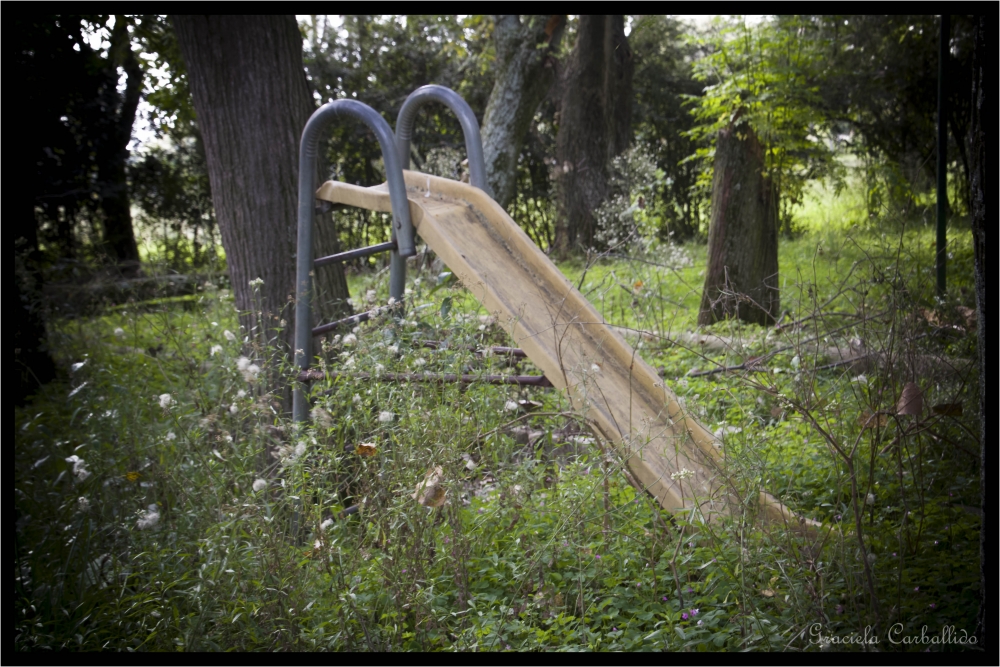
{"type": "Point", "coordinates": [354, 254]}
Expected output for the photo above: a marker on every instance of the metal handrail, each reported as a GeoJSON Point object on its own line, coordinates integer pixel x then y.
{"type": "Point", "coordinates": [466, 118]}
{"type": "Point", "coordinates": [402, 226]}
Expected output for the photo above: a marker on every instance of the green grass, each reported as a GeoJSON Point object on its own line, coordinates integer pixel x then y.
{"type": "Point", "coordinates": [540, 546]}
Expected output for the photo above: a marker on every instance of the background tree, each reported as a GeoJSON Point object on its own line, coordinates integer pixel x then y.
{"type": "Point", "coordinates": [663, 85]}
{"type": "Point", "coordinates": [741, 279]}
{"type": "Point", "coordinates": [252, 100]}
{"type": "Point", "coordinates": [525, 69]}
{"type": "Point", "coordinates": [594, 124]}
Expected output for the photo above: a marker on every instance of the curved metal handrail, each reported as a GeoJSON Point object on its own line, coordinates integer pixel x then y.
{"type": "Point", "coordinates": [466, 118]}
{"type": "Point", "coordinates": [402, 226]}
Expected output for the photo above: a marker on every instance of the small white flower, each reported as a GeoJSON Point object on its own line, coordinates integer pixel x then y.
{"type": "Point", "coordinates": [393, 349]}
{"type": "Point", "coordinates": [326, 524]}
{"type": "Point", "coordinates": [356, 329]}
{"type": "Point", "coordinates": [171, 436]}
{"type": "Point", "coordinates": [370, 296]}
{"type": "Point", "coordinates": [511, 406]}
{"type": "Point", "coordinates": [230, 336]}
{"type": "Point", "coordinates": [119, 332]}
{"type": "Point", "coordinates": [392, 301]}
{"type": "Point", "coordinates": [233, 409]}
{"type": "Point", "coordinates": [242, 364]}
{"type": "Point", "coordinates": [166, 400]}
{"type": "Point", "coordinates": [379, 368]}
{"type": "Point", "coordinates": [256, 283]}
{"type": "Point", "coordinates": [683, 473]}
{"type": "Point", "coordinates": [349, 363]}
{"type": "Point", "coordinates": [215, 324]}
{"type": "Point", "coordinates": [148, 518]}
{"type": "Point", "coordinates": [300, 449]}
{"type": "Point", "coordinates": [357, 398]}
{"type": "Point", "coordinates": [216, 349]}
{"type": "Point", "coordinates": [595, 368]}
{"type": "Point", "coordinates": [416, 282]}
{"type": "Point", "coordinates": [796, 362]}
{"type": "Point", "coordinates": [419, 361]}
{"type": "Point", "coordinates": [870, 499]}
{"type": "Point", "coordinates": [386, 416]}
{"type": "Point", "coordinates": [350, 339]}
{"type": "Point", "coordinates": [259, 484]}
{"type": "Point", "coordinates": [241, 394]}
{"type": "Point", "coordinates": [82, 504]}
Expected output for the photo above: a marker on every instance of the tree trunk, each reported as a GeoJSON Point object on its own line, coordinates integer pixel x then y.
{"type": "Point", "coordinates": [252, 99]}
{"type": "Point", "coordinates": [119, 235]}
{"type": "Point", "coordinates": [525, 71]}
{"type": "Point", "coordinates": [594, 125]}
{"type": "Point", "coordinates": [32, 360]}
{"type": "Point", "coordinates": [742, 275]}
{"type": "Point", "coordinates": [982, 102]}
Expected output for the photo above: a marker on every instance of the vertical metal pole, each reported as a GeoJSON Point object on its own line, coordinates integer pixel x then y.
{"type": "Point", "coordinates": [402, 226]}
{"type": "Point", "coordinates": [942, 157]}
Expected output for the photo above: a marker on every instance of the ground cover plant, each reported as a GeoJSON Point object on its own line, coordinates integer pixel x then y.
{"type": "Point", "coordinates": [164, 501]}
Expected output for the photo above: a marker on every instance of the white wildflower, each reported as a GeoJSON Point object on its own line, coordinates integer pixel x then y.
{"type": "Point", "coordinates": [595, 368]}
{"type": "Point", "coordinates": [796, 362]}
{"type": "Point", "coordinates": [356, 330]}
{"type": "Point", "coordinates": [241, 394]}
{"type": "Point", "coordinates": [393, 349]}
{"type": "Point", "coordinates": [416, 282]}
{"type": "Point", "coordinates": [256, 283]}
{"type": "Point", "coordinates": [171, 435]}
{"type": "Point", "coordinates": [350, 339]}
{"type": "Point", "coordinates": [230, 336]}
{"type": "Point", "coordinates": [82, 504]}
{"type": "Point", "coordinates": [379, 368]}
{"type": "Point", "coordinates": [349, 363]}
{"type": "Point", "coordinates": [511, 406]}
{"type": "Point", "coordinates": [216, 349]}
{"type": "Point", "coordinates": [242, 364]}
{"type": "Point", "coordinates": [870, 499]}
{"type": "Point", "coordinates": [148, 518]}
{"type": "Point", "coordinates": [322, 417]}
{"type": "Point", "coordinates": [300, 449]}
{"type": "Point", "coordinates": [326, 524]}
{"type": "Point", "coordinates": [386, 416]}
{"type": "Point", "coordinates": [119, 332]}
{"type": "Point", "coordinates": [370, 296]}
{"type": "Point", "coordinates": [419, 361]}
{"type": "Point", "coordinates": [683, 473]}
{"type": "Point", "coordinates": [233, 409]}
{"type": "Point", "coordinates": [166, 400]}
{"type": "Point", "coordinates": [259, 484]}
{"type": "Point", "coordinates": [357, 398]}
{"type": "Point", "coordinates": [392, 301]}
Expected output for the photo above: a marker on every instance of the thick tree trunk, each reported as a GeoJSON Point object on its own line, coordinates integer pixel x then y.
{"type": "Point", "coordinates": [982, 102]}
{"type": "Point", "coordinates": [119, 235]}
{"type": "Point", "coordinates": [594, 125]}
{"type": "Point", "coordinates": [742, 276]}
{"type": "Point", "coordinates": [525, 71]}
{"type": "Point", "coordinates": [252, 100]}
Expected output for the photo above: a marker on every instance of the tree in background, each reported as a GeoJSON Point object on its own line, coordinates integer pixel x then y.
{"type": "Point", "coordinates": [252, 100]}
{"type": "Point", "coordinates": [594, 125]}
{"type": "Point", "coordinates": [74, 129]}
{"type": "Point", "coordinates": [525, 69]}
{"type": "Point", "coordinates": [663, 84]}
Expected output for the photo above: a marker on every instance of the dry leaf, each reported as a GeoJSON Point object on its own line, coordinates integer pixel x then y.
{"type": "Point", "coordinates": [911, 401]}
{"type": "Point", "coordinates": [873, 419]}
{"type": "Point", "coordinates": [366, 449]}
{"type": "Point", "coordinates": [931, 317]}
{"type": "Point", "coordinates": [528, 406]}
{"type": "Point", "coordinates": [767, 592]}
{"type": "Point", "coordinates": [948, 409]}
{"type": "Point", "coordinates": [430, 492]}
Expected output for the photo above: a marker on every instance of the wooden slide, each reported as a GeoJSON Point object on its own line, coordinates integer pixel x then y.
{"type": "Point", "coordinates": [668, 452]}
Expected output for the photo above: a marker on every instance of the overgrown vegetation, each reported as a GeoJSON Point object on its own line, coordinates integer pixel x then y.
{"type": "Point", "coordinates": [196, 516]}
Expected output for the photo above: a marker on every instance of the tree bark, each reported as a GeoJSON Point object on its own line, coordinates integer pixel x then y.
{"type": "Point", "coordinates": [253, 100]}
{"type": "Point", "coordinates": [119, 235]}
{"type": "Point", "coordinates": [742, 275]}
{"type": "Point", "coordinates": [525, 71]}
{"type": "Point", "coordinates": [982, 102]}
{"type": "Point", "coordinates": [594, 125]}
